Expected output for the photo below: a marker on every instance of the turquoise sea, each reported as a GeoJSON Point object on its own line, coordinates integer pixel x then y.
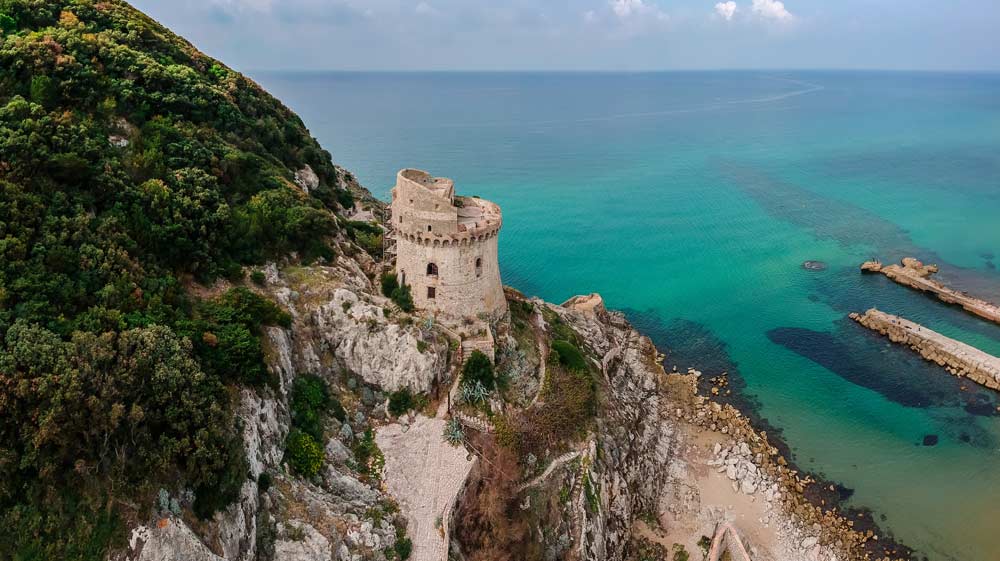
{"type": "Point", "coordinates": [691, 200]}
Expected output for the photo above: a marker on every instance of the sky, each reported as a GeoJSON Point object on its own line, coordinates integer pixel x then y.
{"type": "Point", "coordinates": [614, 35]}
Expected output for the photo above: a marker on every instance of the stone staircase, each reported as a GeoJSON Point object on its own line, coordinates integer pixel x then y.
{"type": "Point", "coordinates": [484, 345]}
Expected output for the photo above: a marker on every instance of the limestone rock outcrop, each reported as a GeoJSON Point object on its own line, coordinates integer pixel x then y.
{"type": "Point", "coordinates": [339, 328]}
{"type": "Point", "coordinates": [382, 352]}
{"type": "Point", "coordinates": [307, 179]}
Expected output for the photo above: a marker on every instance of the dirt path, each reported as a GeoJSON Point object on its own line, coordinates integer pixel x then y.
{"type": "Point", "coordinates": [543, 354]}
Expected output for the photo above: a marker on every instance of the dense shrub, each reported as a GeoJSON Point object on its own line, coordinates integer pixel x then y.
{"type": "Point", "coordinates": [399, 293]}
{"type": "Point", "coordinates": [569, 355]}
{"type": "Point", "coordinates": [403, 298]}
{"type": "Point", "coordinates": [389, 283]}
{"type": "Point", "coordinates": [114, 411]}
{"type": "Point", "coordinates": [303, 453]}
{"type": "Point", "coordinates": [401, 401]}
{"type": "Point", "coordinates": [403, 548]}
{"type": "Point", "coordinates": [478, 368]}
{"type": "Point", "coordinates": [226, 334]}
{"type": "Point", "coordinates": [310, 401]}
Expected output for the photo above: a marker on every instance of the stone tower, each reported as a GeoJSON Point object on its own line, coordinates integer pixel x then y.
{"type": "Point", "coordinates": [446, 246]}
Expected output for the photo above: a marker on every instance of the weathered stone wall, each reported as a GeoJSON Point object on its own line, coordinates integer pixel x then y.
{"type": "Point", "coordinates": [957, 357]}
{"type": "Point", "coordinates": [459, 289]}
{"type": "Point", "coordinates": [421, 203]}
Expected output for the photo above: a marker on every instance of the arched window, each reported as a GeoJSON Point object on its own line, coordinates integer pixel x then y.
{"type": "Point", "coordinates": [428, 227]}
{"type": "Point", "coordinates": [402, 277]}
{"type": "Point", "coordinates": [479, 266]}
{"type": "Point", "coordinates": [432, 270]}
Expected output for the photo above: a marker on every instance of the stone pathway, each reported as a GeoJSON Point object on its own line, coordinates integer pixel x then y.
{"type": "Point", "coordinates": [556, 463]}
{"type": "Point", "coordinates": [424, 474]}
{"type": "Point", "coordinates": [543, 354]}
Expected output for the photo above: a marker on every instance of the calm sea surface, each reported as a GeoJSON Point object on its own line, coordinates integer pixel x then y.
{"type": "Point", "coordinates": [692, 200]}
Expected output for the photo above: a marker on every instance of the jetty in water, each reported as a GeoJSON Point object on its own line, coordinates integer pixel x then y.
{"type": "Point", "coordinates": [958, 358]}
{"type": "Point", "coordinates": [914, 274]}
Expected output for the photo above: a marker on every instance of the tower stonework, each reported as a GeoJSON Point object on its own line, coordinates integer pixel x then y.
{"type": "Point", "coordinates": [446, 246]}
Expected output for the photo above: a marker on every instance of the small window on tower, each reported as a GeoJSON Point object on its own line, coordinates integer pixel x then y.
{"type": "Point", "coordinates": [428, 227]}
{"type": "Point", "coordinates": [432, 270]}
{"type": "Point", "coordinates": [431, 292]}
{"type": "Point", "coordinates": [479, 266]}
{"type": "Point", "coordinates": [400, 219]}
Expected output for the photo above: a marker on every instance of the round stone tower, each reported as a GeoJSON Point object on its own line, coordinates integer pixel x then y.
{"type": "Point", "coordinates": [446, 246]}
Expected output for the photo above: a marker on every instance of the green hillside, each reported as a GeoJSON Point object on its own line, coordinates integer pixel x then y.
{"type": "Point", "coordinates": [131, 165]}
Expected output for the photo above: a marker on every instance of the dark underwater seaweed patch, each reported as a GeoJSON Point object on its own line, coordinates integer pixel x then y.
{"type": "Point", "coordinates": [864, 359]}
{"type": "Point", "coordinates": [850, 225]}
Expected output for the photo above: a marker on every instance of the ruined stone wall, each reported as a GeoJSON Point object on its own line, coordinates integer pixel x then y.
{"type": "Point", "coordinates": [460, 290]}
{"type": "Point", "coordinates": [423, 204]}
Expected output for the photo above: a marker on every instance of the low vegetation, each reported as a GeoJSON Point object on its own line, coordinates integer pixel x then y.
{"type": "Point", "coordinates": [311, 404]}
{"type": "Point", "coordinates": [398, 293]}
{"type": "Point", "coordinates": [401, 401]}
{"type": "Point", "coordinates": [303, 453]}
{"type": "Point", "coordinates": [478, 368]}
{"type": "Point", "coordinates": [368, 456]}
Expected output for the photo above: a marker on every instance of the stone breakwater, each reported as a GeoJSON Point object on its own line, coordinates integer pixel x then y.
{"type": "Point", "coordinates": [956, 357]}
{"type": "Point", "coordinates": [914, 274]}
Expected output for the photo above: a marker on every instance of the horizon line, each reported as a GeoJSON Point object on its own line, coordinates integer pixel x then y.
{"type": "Point", "coordinates": [619, 71]}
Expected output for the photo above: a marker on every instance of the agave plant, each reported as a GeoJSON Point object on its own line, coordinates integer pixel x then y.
{"type": "Point", "coordinates": [453, 433]}
{"type": "Point", "coordinates": [474, 392]}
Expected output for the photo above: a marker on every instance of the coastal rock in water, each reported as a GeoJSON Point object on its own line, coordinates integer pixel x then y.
{"type": "Point", "coordinates": [930, 440]}
{"type": "Point", "coordinates": [871, 267]}
{"type": "Point", "coordinates": [814, 266]}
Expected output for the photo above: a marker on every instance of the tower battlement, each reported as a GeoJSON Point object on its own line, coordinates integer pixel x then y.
{"type": "Point", "coordinates": [446, 246]}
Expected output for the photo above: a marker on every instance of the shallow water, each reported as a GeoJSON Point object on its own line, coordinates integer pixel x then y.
{"type": "Point", "coordinates": [693, 199]}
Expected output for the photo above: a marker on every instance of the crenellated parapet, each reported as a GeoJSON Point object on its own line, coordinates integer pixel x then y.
{"type": "Point", "coordinates": [446, 246]}
{"type": "Point", "coordinates": [464, 239]}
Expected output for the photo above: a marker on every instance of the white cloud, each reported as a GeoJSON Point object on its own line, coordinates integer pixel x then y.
{"type": "Point", "coordinates": [626, 9]}
{"type": "Point", "coordinates": [589, 16]}
{"type": "Point", "coordinates": [423, 8]}
{"type": "Point", "coordinates": [726, 9]}
{"type": "Point", "coordinates": [772, 9]}
{"type": "Point", "coordinates": [255, 5]}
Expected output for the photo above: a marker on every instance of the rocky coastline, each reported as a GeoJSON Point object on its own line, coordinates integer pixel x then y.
{"type": "Point", "coordinates": [803, 509]}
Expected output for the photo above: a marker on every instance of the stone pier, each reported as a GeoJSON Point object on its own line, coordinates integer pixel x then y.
{"type": "Point", "coordinates": [914, 274]}
{"type": "Point", "coordinates": [958, 358]}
